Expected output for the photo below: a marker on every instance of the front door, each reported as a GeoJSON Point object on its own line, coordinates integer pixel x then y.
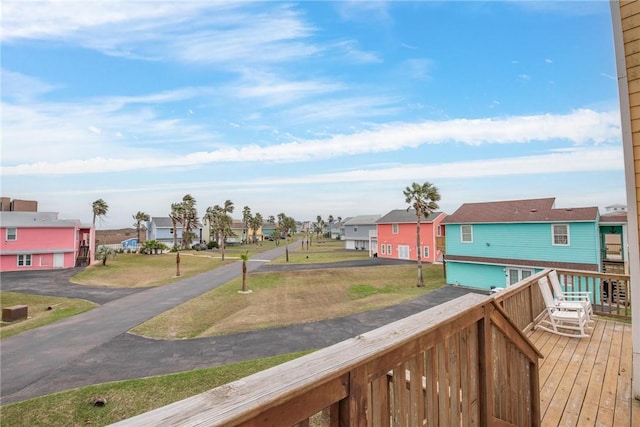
{"type": "Point", "coordinates": [403, 252]}
{"type": "Point", "coordinates": [58, 260]}
{"type": "Point", "coordinates": [514, 275]}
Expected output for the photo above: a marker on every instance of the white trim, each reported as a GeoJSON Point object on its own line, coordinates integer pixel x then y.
{"type": "Point", "coordinates": [6, 235]}
{"type": "Point", "coordinates": [462, 233]}
{"type": "Point", "coordinates": [553, 234]}
{"type": "Point", "coordinates": [24, 257]}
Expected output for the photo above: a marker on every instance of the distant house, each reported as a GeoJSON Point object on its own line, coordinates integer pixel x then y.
{"type": "Point", "coordinates": [396, 235]}
{"type": "Point", "coordinates": [269, 230]}
{"type": "Point", "coordinates": [357, 230]}
{"type": "Point", "coordinates": [336, 230]}
{"type": "Point", "coordinates": [42, 241]}
{"type": "Point", "coordinates": [496, 244]}
{"type": "Point", "coordinates": [160, 229]}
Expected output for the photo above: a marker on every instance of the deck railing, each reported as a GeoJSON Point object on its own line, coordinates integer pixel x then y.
{"type": "Point", "coordinates": [461, 363]}
{"type": "Point", "coordinates": [466, 362]}
{"type": "Point", "coordinates": [610, 293]}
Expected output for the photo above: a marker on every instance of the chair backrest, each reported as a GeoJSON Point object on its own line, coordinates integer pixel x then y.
{"type": "Point", "coordinates": [546, 292]}
{"type": "Point", "coordinates": [555, 283]}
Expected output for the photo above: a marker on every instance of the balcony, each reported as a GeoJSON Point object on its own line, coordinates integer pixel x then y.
{"type": "Point", "coordinates": [476, 360]}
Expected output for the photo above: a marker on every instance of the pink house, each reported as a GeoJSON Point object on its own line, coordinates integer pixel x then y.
{"type": "Point", "coordinates": [396, 235]}
{"type": "Point", "coordinates": [41, 241]}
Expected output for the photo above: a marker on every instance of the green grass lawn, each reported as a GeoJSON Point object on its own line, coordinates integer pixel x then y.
{"type": "Point", "coordinates": [126, 398]}
{"type": "Point", "coordinates": [278, 298]}
{"type": "Point", "coordinates": [42, 310]}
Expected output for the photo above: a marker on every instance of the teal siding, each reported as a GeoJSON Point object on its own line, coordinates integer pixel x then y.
{"type": "Point", "coordinates": [483, 276]}
{"type": "Point", "coordinates": [475, 275]}
{"type": "Point", "coordinates": [527, 241]}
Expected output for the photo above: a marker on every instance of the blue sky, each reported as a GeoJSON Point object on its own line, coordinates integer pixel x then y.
{"type": "Point", "coordinates": [307, 108]}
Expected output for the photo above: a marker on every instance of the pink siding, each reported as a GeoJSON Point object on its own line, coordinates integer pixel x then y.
{"type": "Point", "coordinates": [42, 244]}
{"type": "Point", "coordinates": [406, 237]}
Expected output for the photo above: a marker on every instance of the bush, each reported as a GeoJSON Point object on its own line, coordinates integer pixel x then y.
{"type": "Point", "coordinates": [213, 245]}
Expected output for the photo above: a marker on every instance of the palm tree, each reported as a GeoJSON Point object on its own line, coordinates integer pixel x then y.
{"type": "Point", "coordinates": [256, 223]}
{"type": "Point", "coordinates": [189, 219]}
{"type": "Point", "coordinates": [226, 222]}
{"type": "Point", "coordinates": [176, 218]}
{"type": "Point", "coordinates": [244, 257]}
{"type": "Point", "coordinates": [220, 222]}
{"type": "Point", "coordinates": [139, 218]}
{"type": "Point", "coordinates": [105, 252]}
{"type": "Point", "coordinates": [424, 199]}
{"type": "Point", "coordinates": [100, 208]}
{"type": "Point", "coordinates": [246, 220]}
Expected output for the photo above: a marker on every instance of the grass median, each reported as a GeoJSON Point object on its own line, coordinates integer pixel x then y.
{"type": "Point", "coordinates": [125, 399]}
{"type": "Point", "coordinates": [42, 310]}
{"type": "Point", "coordinates": [285, 298]}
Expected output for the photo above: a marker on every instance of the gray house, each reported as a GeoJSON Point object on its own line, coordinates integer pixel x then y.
{"type": "Point", "coordinates": [356, 231]}
{"type": "Point", "coordinates": [161, 229]}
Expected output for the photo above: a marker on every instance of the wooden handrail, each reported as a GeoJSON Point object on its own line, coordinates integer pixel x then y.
{"type": "Point", "coordinates": [451, 350]}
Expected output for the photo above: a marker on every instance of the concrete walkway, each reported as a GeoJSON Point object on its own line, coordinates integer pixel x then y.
{"type": "Point", "coordinates": [93, 347]}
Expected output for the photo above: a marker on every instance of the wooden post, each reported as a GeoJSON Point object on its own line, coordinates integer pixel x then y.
{"type": "Point", "coordinates": [286, 251]}
{"type": "Point", "coordinates": [178, 263]}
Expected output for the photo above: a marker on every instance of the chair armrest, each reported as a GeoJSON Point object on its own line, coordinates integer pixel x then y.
{"type": "Point", "coordinates": [579, 296]}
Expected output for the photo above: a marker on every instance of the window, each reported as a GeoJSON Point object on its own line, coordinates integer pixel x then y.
{"type": "Point", "coordinates": [389, 249]}
{"type": "Point", "coordinates": [382, 249]}
{"type": "Point", "coordinates": [12, 233]}
{"type": "Point", "coordinates": [24, 260]}
{"type": "Point", "coordinates": [355, 228]}
{"type": "Point", "coordinates": [425, 250]}
{"type": "Point", "coordinates": [466, 233]}
{"type": "Point", "coordinates": [560, 234]}
{"type": "Point", "coordinates": [439, 231]}
{"type": "Point", "coordinates": [394, 228]}
{"type": "Point", "coordinates": [515, 275]}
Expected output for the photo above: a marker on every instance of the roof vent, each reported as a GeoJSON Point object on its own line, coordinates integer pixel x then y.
{"type": "Point", "coordinates": [534, 210]}
{"type": "Point", "coordinates": [569, 209]}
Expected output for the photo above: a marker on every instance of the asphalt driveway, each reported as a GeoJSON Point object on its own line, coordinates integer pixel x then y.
{"type": "Point", "coordinates": [94, 347]}
{"type": "Point", "coordinates": [56, 283]}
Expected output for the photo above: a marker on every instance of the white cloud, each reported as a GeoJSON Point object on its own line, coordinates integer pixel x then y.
{"type": "Point", "coordinates": [417, 68]}
{"type": "Point", "coordinates": [579, 127]}
{"type": "Point", "coordinates": [22, 88]}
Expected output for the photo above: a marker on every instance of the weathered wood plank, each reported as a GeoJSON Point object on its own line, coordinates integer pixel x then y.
{"type": "Point", "coordinates": [556, 390]}
{"type": "Point", "coordinates": [610, 384]}
{"type": "Point", "coordinates": [431, 390]}
{"type": "Point", "coordinates": [622, 412]}
{"type": "Point", "coordinates": [416, 392]}
{"type": "Point", "coordinates": [594, 388]}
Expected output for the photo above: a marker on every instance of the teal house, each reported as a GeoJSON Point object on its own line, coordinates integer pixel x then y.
{"type": "Point", "coordinates": [496, 244]}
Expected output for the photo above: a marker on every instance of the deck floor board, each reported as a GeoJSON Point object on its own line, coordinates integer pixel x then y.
{"type": "Point", "coordinates": [587, 381]}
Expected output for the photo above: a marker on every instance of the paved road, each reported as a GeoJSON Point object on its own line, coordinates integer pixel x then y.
{"type": "Point", "coordinates": [94, 347]}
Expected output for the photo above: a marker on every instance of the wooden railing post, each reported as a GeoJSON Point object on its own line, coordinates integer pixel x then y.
{"type": "Point", "coordinates": [484, 367]}
{"type": "Point", "coordinates": [353, 408]}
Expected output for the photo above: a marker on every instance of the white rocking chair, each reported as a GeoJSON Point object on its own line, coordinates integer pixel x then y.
{"type": "Point", "coordinates": [568, 319]}
{"type": "Point", "coordinates": [576, 297]}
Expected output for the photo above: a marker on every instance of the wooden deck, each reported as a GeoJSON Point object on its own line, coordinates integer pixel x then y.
{"type": "Point", "coordinates": [587, 382]}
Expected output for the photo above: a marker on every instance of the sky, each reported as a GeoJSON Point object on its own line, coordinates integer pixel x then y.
{"type": "Point", "coordinates": [306, 108]}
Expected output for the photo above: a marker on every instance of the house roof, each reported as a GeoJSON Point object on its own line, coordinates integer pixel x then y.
{"type": "Point", "coordinates": [35, 219]}
{"type": "Point", "coordinates": [404, 215]}
{"type": "Point", "coordinates": [362, 220]}
{"type": "Point", "coordinates": [614, 217]}
{"type": "Point", "coordinates": [530, 210]}
{"type": "Point", "coordinates": [162, 221]}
